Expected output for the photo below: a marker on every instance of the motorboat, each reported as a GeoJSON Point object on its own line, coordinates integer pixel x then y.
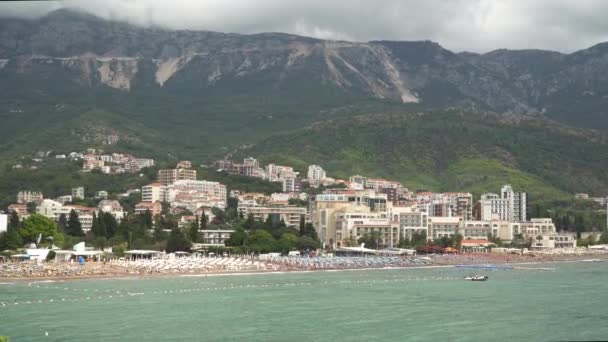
{"type": "Point", "coordinates": [476, 278]}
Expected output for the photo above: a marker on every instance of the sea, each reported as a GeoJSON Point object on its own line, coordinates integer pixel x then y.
{"type": "Point", "coordinates": [564, 301]}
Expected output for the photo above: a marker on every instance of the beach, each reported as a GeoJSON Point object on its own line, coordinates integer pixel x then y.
{"type": "Point", "coordinates": [196, 265]}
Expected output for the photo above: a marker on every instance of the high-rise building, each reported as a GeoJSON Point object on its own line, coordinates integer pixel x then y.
{"type": "Point", "coordinates": [517, 203]}
{"type": "Point", "coordinates": [508, 206]}
{"type": "Point", "coordinates": [316, 174]}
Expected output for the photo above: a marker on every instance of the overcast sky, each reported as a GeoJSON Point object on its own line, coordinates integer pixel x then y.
{"type": "Point", "coordinates": [473, 25]}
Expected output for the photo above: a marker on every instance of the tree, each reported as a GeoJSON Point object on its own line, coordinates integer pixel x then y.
{"type": "Point", "coordinates": [604, 238]}
{"type": "Point", "coordinates": [110, 225]}
{"type": "Point", "coordinates": [14, 222]}
{"type": "Point", "coordinates": [159, 234]}
{"type": "Point", "coordinates": [38, 225]}
{"type": "Point", "coordinates": [203, 221]}
{"type": "Point", "coordinates": [261, 241]}
{"type": "Point", "coordinates": [237, 238]}
{"type": "Point", "coordinates": [10, 240]}
{"type": "Point", "coordinates": [350, 242]}
{"type": "Point", "coordinates": [177, 242]}
{"type": "Point", "coordinates": [73, 227]}
{"type": "Point", "coordinates": [249, 223]}
{"type": "Point", "coordinates": [287, 243]}
{"type": "Point", "coordinates": [62, 224]}
{"type": "Point", "coordinates": [302, 225]}
{"type": "Point", "coordinates": [371, 240]}
{"type": "Point", "coordinates": [98, 229]}
{"type": "Point", "coordinates": [307, 243]}
{"type": "Point", "coordinates": [147, 219]}
{"type": "Point", "coordinates": [31, 207]}
{"type": "Point", "coordinates": [193, 231]}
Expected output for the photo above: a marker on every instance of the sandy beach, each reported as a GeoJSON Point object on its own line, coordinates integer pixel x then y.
{"type": "Point", "coordinates": [32, 271]}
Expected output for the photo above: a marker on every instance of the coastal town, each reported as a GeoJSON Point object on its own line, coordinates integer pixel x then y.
{"type": "Point", "coordinates": [314, 216]}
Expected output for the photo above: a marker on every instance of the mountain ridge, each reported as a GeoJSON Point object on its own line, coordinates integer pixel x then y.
{"type": "Point", "coordinates": [201, 94]}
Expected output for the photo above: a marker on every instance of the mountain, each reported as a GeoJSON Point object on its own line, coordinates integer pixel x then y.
{"type": "Point", "coordinates": [68, 78]}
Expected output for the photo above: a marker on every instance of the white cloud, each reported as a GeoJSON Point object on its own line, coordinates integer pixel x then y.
{"type": "Point", "coordinates": [477, 25]}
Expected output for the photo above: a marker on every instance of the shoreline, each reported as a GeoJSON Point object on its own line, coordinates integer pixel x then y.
{"type": "Point", "coordinates": [125, 275]}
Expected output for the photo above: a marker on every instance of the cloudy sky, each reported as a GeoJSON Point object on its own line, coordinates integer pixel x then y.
{"type": "Point", "coordinates": [473, 25]}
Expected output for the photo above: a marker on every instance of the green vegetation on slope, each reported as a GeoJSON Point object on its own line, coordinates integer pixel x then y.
{"type": "Point", "coordinates": [449, 151]}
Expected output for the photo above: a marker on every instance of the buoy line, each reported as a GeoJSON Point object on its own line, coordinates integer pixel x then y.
{"type": "Point", "coordinates": [116, 294]}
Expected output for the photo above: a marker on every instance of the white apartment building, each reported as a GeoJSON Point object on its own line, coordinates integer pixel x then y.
{"type": "Point", "coordinates": [152, 193]}
{"type": "Point", "coordinates": [53, 210]}
{"type": "Point", "coordinates": [476, 229]}
{"type": "Point", "coordinates": [112, 207]}
{"type": "Point", "coordinates": [493, 207]}
{"type": "Point", "coordinates": [194, 194]}
{"type": "Point", "coordinates": [517, 203]}
{"type": "Point", "coordinates": [290, 214]}
{"type": "Point", "coordinates": [29, 196]}
{"type": "Point", "coordinates": [411, 220]}
{"type": "Point", "coordinates": [354, 225]}
{"type": "Point", "coordinates": [78, 192]}
{"type": "Point", "coordinates": [443, 227]}
{"type": "Point", "coordinates": [316, 175]}
{"type": "Point", "coordinates": [101, 194]}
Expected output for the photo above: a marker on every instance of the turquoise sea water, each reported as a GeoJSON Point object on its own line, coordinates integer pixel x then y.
{"type": "Point", "coordinates": [569, 302]}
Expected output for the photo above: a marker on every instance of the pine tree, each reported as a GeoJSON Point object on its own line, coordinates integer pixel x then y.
{"type": "Point", "coordinates": [62, 224]}
{"type": "Point", "coordinates": [249, 222]}
{"type": "Point", "coordinates": [14, 222]}
{"type": "Point", "coordinates": [302, 225]}
{"type": "Point", "coordinates": [203, 223]}
{"type": "Point", "coordinates": [73, 226]}
{"type": "Point", "coordinates": [193, 231]}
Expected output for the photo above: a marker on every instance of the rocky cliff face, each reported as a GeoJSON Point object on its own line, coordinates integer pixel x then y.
{"type": "Point", "coordinates": [88, 52]}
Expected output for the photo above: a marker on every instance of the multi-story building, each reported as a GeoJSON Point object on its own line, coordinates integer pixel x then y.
{"type": "Point", "coordinates": [289, 214]}
{"type": "Point", "coordinates": [324, 209]}
{"type": "Point", "coordinates": [215, 237]}
{"type": "Point", "coordinates": [517, 203]}
{"type": "Point", "coordinates": [24, 197]}
{"type": "Point", "coordinates": [101, 195]}
{"type": "Point", "coordinates": [492, 207]}
{"type": "Point", "coordinates": [78, 192]}
{"type": "Point", "coordinates": [152, 193]}
{"type": "Point", "coordinates": [379, 183]}
{"type": "Point", "coordinates": [410, 219]}
{"type": "Point", "coordinates": [291, 184]}
{"type": "Point", "coordinates": [354, 225]}
{"type": "Point", "coordinates": [136, 164]}
{"type": "Point", "coordinates": [443, 227]}
{"type": "Point", "coordinates": [155, 208]}
{"type": "Point", "coordinates": [170, 176]}
{"type": "Point", "coordinates": [192, 194]}
{"type": "Point", "coordinates": [250, 167]}
{"type": "Point", "coordinates": [476, 229]}
{"type": "Point", "coordinates": [112, 207]}
{"type": "Point", "coordinates": [316, 174]}
{"type": "Point", "coordinates": [53, 210]}
{"type": "Point", "coordinates": [184, 164]}
{"type": "Point", "coordinates": [357, 179]}
{"type": "Point", "coordinates": [277, 173]}
{"type": "Point", "coordinates": [20, 209]}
